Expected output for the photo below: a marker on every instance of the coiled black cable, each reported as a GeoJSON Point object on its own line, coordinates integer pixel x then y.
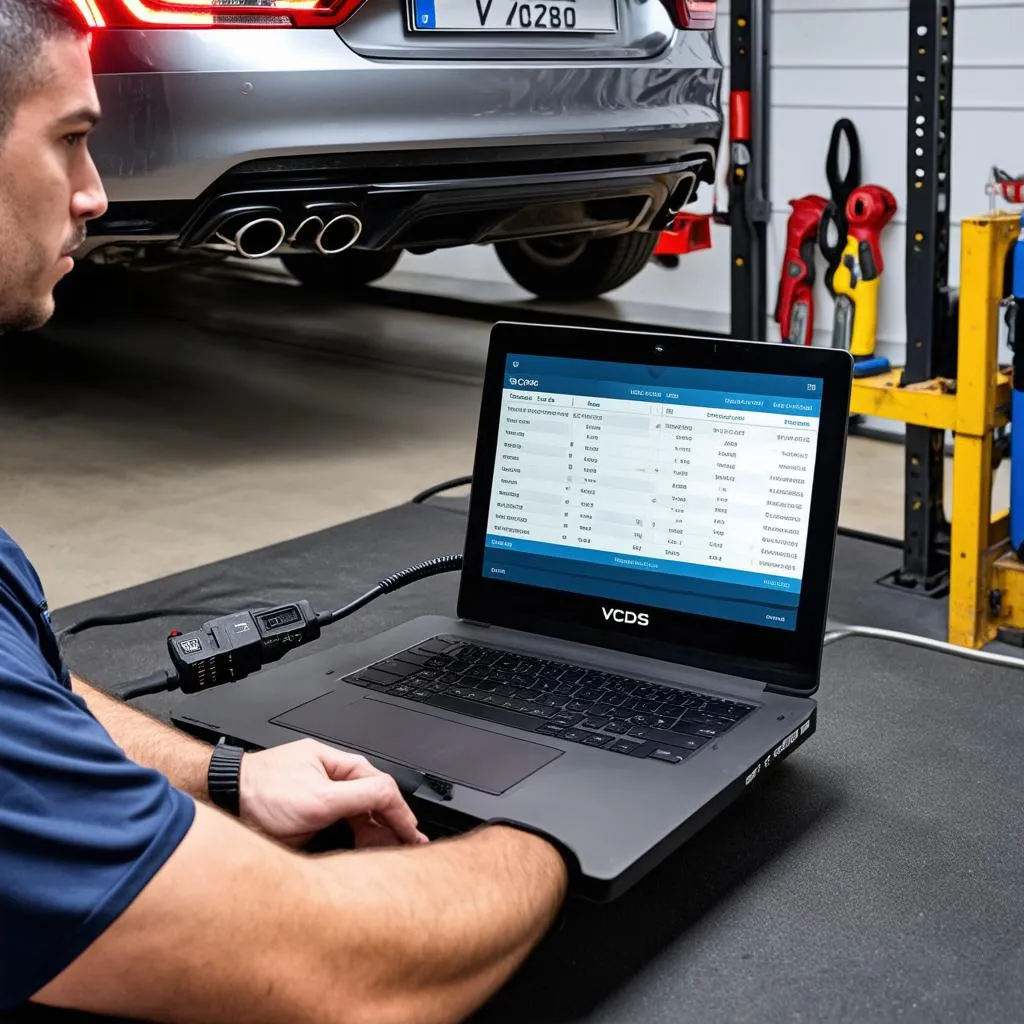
{"type": "Point", "coordinates": [413, 574]}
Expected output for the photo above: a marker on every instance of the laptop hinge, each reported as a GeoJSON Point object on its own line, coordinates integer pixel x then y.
{"type": "Point", "coordinates": [743, 681]}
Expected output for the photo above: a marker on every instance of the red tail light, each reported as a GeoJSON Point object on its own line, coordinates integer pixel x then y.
{"type": "Point", "coordinates": [216, 13]}
{"type": "Point", "coordinates": [91, 14]}
{"type": "Point", "coordinates": [693, 14]}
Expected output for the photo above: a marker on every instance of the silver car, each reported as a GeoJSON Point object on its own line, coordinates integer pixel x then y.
{"type": "Point", "coordinates": [337, 134]}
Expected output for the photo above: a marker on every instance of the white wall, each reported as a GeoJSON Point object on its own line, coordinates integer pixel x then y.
{"type": "Point", "coordinates": [847, 58]}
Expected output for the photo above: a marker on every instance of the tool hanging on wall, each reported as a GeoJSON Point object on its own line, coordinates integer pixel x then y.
{"type": "Point", "coordinates": [794, 310]}
{"type": "Point", "coordinates": [811, 224]}
{"type": "Point", "coordinates": [856, 280]}
{"type": "Point", "coordinates": [841, 186]}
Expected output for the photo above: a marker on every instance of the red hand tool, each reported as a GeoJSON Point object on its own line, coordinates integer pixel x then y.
{"type": "Point", "coordinates": [794, 311]}
{"type": "Point", "coordinates": [868, 210]}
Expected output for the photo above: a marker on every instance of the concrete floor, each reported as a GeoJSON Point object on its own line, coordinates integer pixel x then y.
{"type": "Point", "coordinates": [179, 419]}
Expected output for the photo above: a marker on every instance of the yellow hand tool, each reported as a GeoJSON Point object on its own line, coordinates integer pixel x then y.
{"type": "Point", "coordinates": [856, 279]}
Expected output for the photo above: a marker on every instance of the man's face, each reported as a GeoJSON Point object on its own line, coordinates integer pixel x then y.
{"type": "Point", "coordinates": [49, 186]}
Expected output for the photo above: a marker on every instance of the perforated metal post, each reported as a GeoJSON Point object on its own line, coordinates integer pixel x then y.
{"type": "Point", "coordinates": [749, 203]}
{"type": "Point", "coordinates": [929, 335]}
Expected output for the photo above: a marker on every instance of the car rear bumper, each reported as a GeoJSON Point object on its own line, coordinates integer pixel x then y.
{"type": "Point", "coordinates": [295, 105]}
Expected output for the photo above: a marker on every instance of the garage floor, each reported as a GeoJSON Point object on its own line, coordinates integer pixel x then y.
{"type": "Point", "coordinates": [172, 420]}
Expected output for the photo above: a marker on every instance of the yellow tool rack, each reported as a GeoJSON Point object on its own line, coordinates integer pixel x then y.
{"type": "Point", "coordinates": [986, 579]}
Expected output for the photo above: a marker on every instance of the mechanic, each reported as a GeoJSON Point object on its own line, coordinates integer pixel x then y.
{"type": "Point", "coordinates": [123, 890]}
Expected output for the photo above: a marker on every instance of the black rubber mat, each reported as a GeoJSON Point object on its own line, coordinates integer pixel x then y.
{"type": "Point", "coordinates": [858, 599]}
{"type": "Point", "coordinates": [878, 875]}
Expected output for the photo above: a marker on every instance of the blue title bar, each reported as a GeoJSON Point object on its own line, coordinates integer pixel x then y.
{"type": "Point", "coordinates": [534, 368]}
{"type": "Point", "coordinates": [596, 390]}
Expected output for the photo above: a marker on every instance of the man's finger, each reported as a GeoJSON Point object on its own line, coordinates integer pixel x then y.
{"type": "Point", "coordinates": [377, 795]}
{"type": "Point", "coordinates": [341, 765]}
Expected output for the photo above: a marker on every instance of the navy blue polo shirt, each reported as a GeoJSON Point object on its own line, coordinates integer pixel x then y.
{"type": "Point", "coordinates": [82, 828]}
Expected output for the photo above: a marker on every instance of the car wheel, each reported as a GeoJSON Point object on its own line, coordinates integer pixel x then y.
{"type": "Point", "coordinates": [568, 267]}
{"type": "Point", "coordinates": [344, 273]}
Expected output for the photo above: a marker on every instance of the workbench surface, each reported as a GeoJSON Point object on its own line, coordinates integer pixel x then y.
{"type": "Point", "coordinates": [877, 875]}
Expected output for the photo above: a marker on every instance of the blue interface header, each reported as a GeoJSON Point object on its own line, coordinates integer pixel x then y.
{"type": "Point", "coordinates": [726, 400]}
{"type": "Point", "coordinates": [531, 371]}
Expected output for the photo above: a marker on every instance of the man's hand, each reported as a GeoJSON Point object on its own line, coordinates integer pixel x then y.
{"type": "Point", "coordinates": [289, 793]}
{"type": "Point", "coordinates": [292, 792]}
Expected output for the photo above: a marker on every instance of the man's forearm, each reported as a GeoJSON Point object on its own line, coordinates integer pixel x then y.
{"type": "Point", "coordinates": [423, 934]}
{"type": "Point", "coordinates": [471, 911]}
{"type": "Point", "coordinates": [152, 744]}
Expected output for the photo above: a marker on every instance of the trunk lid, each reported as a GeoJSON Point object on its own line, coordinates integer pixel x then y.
{"type": "Point", "coordinates": [509, 30]}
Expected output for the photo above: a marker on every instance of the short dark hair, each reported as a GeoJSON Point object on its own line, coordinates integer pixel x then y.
{"type": "Point", "coordinates": [25, 25]}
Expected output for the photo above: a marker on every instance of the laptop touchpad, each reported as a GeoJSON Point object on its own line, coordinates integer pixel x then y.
{"type": "Point", "coordinates": [478, 758]}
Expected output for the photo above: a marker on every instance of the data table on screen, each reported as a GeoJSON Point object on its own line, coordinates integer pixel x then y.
{"type": "Point", "coordinates": [697, 482]}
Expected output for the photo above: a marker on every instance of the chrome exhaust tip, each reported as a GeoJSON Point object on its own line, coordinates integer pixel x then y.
{"type": "Point", "coordinates": [258, 238]}
{"type": "Point", "coordinates": [339, 234]}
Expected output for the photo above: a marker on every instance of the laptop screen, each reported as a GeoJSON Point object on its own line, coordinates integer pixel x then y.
{"type": "Point", "coordinates": [669, 487]}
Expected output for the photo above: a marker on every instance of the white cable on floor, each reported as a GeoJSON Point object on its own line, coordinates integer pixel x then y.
{"type": "Point", "coordinates": [939, 646]}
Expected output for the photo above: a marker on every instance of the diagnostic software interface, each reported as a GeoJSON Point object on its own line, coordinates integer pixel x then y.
{"type": "Point", "coordinates": [669, 487]}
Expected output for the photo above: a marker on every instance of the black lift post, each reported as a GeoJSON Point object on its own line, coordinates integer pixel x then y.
{"type": "Point", "coordinates": [931, 304]}
{"type": "Point", "coordinates": [749, 179]}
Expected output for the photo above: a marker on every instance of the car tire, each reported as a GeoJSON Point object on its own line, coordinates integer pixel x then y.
{"type": "Point", "coordinates": [569, 268]}
{"type": "Point", "coordinates": [344, 273]}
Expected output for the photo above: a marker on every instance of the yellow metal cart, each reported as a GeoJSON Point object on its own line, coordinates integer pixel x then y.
{"type": "Point", "coordinates": [986, 580]}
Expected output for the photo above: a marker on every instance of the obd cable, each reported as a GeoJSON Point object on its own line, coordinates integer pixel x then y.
{"type": "Point", "coordinates": [231, 647]}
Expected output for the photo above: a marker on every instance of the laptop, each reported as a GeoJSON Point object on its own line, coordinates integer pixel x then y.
{"type": "Point", "coordinates": [642, 603]}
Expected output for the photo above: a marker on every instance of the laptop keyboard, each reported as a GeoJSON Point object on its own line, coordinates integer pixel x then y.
{"type": "Point", "coordinates": [554, 698]}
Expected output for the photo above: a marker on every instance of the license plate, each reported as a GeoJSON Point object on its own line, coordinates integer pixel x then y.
{"type": "Point", "coordinates": [554, 17]}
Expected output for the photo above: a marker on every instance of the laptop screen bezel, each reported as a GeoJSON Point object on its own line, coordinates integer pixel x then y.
{"type": "Point", "coordinates": [785, 660]}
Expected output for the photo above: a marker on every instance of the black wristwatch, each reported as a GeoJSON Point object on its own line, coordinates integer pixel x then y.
{"type": "Point", "coordinates": [223, 776]}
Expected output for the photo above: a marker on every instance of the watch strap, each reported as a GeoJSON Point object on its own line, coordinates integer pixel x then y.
{"type": "Point", "coordinates": [224, 775]}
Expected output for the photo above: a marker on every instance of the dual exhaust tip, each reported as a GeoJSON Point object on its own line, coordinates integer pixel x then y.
{"type": "Point", "coordinates": [263, 236]}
